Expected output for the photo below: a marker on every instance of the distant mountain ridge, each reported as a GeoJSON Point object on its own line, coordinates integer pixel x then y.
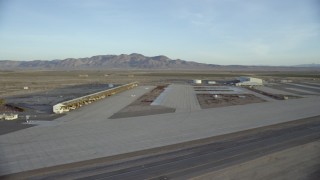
{"type": "Point", "coordinates": [308, 65]}
{"type": "Point", "coordinates": [135, 61]}
{"type": "Point", "coordinates": [138, 61]}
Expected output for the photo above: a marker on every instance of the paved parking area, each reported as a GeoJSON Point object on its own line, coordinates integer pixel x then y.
{"type": "Point", "coordinates": [102, 110]}
{"type": "Point", "coordinates": [218, 90]}
{"type": "Point", "coordinates": [272, 90]}
{"type": "Point", "coordinates": [87, 133]}
{"type": "Point", "coordinates": [181, 97]}
{"type": "Point", "coordinates": [302, 90]}
{"type": "Point", "coordinates": [306, 86]}
{"type": "Point", "coordinates": [287, 88]}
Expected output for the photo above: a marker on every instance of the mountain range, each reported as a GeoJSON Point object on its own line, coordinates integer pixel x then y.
{"type": "Point", "coordinates": [133, 61]}
{"type": "Point", "coordinates": [123, 61]}
{"type": "Point", "coordinates": [308, 65]}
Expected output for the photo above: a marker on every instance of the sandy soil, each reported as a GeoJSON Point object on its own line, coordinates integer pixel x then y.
{"type": "Point", "coordinates": [209, 101]}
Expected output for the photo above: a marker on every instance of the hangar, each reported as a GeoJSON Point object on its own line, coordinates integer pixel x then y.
{"type": "Point", "coordinates": [78, 102]}
{"type": "Point", "coordinates": [249, 81]}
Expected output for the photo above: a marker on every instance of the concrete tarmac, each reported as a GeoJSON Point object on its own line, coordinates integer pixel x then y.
{"type": "Point", "coordinates": [202, 158]}
{"type": "Point", "coordinates": [87, 133]}
{"type": "Point", "coordinates": [181, 97]}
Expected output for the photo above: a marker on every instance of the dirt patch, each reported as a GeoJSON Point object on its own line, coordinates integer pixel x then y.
{"type": "Point", "coordinates": [149, 97]}
{"type": "Point", "coordinates": [221, 100]}
{"type": "Point", "coordinates": [142, 106]}
{"type": "Point", "coordinates": [9, 109]}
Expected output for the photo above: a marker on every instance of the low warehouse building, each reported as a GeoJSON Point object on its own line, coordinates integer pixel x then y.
{"type": "Point", "coordinates": [249, 81]}
{"type": "Point", "coordinates": [212, 82]}
{"type": "Point", "coordinates": [8, 116]}
{"type": "Point", "coordinates": [197, 81]}
{"type": "Point", "coordinates": [66, 106]}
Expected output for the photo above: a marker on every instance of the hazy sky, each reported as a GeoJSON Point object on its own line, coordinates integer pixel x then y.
{"type": "Point", "coordinates": [257, 32]}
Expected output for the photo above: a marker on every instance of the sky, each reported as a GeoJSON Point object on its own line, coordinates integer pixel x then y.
{"type": "Point", "coordinates": [244, 32]}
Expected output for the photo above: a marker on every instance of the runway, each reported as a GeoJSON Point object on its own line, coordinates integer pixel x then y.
{"type": "Point", "coordinates": [194, 158]}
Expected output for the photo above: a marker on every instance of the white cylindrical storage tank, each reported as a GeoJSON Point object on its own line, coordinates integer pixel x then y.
{"type": "Point", "coordinates": [197, 81]}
